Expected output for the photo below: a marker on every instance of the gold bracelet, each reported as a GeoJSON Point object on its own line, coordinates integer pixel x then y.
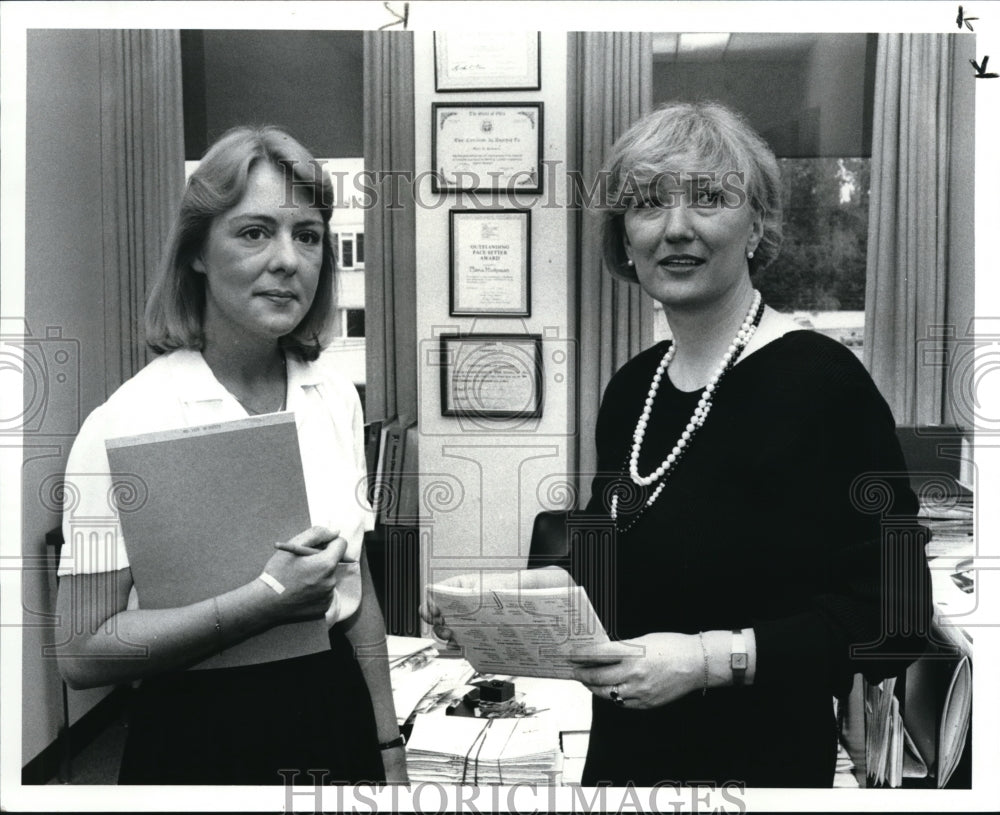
{"type": "Point", "coordinates": [704, 654]}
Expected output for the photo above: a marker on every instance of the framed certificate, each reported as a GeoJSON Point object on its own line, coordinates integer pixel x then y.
{"type": "Point", "coordinates": [490, 61]}
{"type": "Point", "coordinates": [490, 266]}
{"type": "Point", "coordinates": [493, 147]}
{"type": "Point", "coordinates": [493, 376]}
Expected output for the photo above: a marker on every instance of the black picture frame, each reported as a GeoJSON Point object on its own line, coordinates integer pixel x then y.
{"type": "Point", "coordinates": [491, 376]}
{"type": "Point", "coordinates": [525, 176]}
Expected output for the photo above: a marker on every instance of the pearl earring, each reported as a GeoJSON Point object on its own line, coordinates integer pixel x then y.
{"type": "Point", "coordinates": [750, 255]}
{"type": "Point", "coordinates": [630, 262]}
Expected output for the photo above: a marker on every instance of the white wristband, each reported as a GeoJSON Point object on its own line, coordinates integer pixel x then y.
{"type": "Point", "coordinates": [272, 582]}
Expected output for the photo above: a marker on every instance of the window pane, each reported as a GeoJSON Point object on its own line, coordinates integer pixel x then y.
{"type": "Point", "coordinates": [819, 275]}
{"type": "Point", "coordinates": [355, 322]}
{"type": "Point", "coordinates": [347, 253]}
{"type": "Point", "coordinates": [359, 247]}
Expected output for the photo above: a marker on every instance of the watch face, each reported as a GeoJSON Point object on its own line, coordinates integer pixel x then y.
{"type": "Point", "coordinates": [739, 662]}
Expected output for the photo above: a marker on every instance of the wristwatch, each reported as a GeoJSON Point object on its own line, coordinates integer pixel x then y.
{"type": "Point", "coordinates": [738, 659]}
{"type": "Point", "coordinates": [399, 741]}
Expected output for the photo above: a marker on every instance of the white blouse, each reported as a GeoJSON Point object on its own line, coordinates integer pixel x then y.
{"type": "Point", "coordinates": [179, 390]}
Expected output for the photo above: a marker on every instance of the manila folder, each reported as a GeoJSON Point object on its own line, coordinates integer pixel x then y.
{"type": "Point", "coordinates": [202, 511]}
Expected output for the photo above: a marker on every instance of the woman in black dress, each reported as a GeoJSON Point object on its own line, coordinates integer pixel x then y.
{"type": "Point", "coordinates": [239, 316]}
{"type": "Point", "coordinates": [761, 519]}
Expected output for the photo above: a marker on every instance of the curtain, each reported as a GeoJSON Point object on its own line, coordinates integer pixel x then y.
{"type": "Point", "coordinates": [142, 162]}
{"type": "Point", "coordinates": [610, 88]}
{"type": "Point", "coordinates": [908, 231]}
{"type": "Point", "coordinates": [390, 237]}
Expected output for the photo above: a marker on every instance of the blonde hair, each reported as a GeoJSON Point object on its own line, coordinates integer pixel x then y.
{"type": "Point", "coordinates": [176, 307]}
{"type": "Point", "coordinates": [706, 136]}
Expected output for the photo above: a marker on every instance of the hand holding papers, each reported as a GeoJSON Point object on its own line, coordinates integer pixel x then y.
{"type": "Point", "coordinates": [525, 623]}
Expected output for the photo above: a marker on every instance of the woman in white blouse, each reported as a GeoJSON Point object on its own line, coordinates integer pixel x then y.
{"type": "Point", "coordinates": [238, 316]}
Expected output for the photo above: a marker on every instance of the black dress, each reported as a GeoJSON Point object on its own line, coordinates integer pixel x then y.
{"type": "Point", "coordinates": [780, 517]}
{"type": "Point", "coordinates": [311, 718]}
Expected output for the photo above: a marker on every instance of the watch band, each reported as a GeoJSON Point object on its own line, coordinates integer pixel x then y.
{"type": "Point", "coordinates": [738, 659]}
{"type": "Point", "coordinates": [399, 741]}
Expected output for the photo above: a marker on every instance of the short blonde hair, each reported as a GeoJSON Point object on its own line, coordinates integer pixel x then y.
{"type": "Point", "coordinates": [707, 136]}
{"type": "Point", "coordinates": [176, 308]}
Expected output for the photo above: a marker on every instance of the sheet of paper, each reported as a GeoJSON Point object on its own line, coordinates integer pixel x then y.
{"type": "Point", "coordinates": [422, 688]}
{"type": "Point", "coordinates": [400, 648]}
{"type": "Point", "coordinates": [519, 631]}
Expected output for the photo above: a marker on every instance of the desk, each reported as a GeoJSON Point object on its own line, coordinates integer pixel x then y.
{"type": "Point", "coordinates": [425, 683]}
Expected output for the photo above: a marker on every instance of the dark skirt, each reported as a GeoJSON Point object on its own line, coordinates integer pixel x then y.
{"type": "Point", "coordinates": [757, 737]}
{"type": "Point", "coordinates": [312, 715]}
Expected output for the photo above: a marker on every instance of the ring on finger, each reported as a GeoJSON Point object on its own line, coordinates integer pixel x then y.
{"type": "Point", "coordinates": [616, 697]}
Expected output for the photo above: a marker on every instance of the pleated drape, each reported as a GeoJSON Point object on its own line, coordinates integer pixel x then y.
{"type": "Point", "coordinates": [390, 237]}
{"type": "Point", "coordinates": [611, 87]}
{"type": "Point", "coordinates": [908, 237]}
{"type": "Point", "coordinates": [142, 162]}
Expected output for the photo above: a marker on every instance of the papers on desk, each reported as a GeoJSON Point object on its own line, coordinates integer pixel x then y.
{"type": "Point", "coordinates": [520, 631]}
{"type": "Point", "coordinates": [951, 529]}
{"type": "Point", "coordinates": [401, 649]}
{"type": "Point", "coordinates": [463, 750]}
{"type": "Point", "coordinates": [419, 679]}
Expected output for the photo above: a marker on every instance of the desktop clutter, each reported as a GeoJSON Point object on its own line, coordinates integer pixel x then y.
{"type": "Point", "coordinates": [468, 728]}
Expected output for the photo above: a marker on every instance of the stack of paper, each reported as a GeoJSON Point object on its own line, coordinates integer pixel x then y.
{"type": "Point", "coordinates": [465, 750]}
{"type": "Point", "coordinates": [951, 528]}
{"type": "Point", "coordinates": [884, 734]}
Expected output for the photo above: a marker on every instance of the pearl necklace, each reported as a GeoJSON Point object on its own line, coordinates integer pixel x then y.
{"type": "Point", "coordinates": [747, 330]}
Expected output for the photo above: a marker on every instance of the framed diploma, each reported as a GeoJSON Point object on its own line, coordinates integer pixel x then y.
{"type": "Point", "coordinates": [493, 147]}
{"type": "Point", "coordinates": [493, 376]}
{"type": "Point", "coordinates": [490, 263]}
{"type": "Point", "coordinates": [491, 61]}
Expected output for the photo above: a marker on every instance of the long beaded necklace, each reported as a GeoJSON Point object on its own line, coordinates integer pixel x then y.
{"type": "Point", "coordinates": [729, 359]}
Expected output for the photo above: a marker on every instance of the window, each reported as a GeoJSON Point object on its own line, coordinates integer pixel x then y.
{"type": "Point", "coordinates": [819, 277]}
{"type": "Point", "coordinates": [354, 322]}
{"type": "Point", "coordinates": [350, 249]}
{"type": "Point", "coordinates": [347, 253]}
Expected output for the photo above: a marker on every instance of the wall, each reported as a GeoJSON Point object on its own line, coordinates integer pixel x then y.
{"type": "Point", "coordinates": [496, 472]}
{"type": "Point", "coordinates": [738, 85]}
{"type": "Point", "coordinates": [262, 77]}
{"type": "Point", "coordinates": [64, 291]}
{"type": "Point", "coordinates": [765, 87]}
{"type": "Point", "coordinates": [836, 62]}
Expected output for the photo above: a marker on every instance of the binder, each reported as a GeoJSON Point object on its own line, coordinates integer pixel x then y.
{"type": "Point", "coordinates": [392, 474]}
{"type": "Point", "coordinates": [938, 705]}
{"type": "Point", "coordinates": [212, 501]}
{"type": "Point", "coordinates": [407, 507]}
{"type": "Point", "coordinates": [387, 461]}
